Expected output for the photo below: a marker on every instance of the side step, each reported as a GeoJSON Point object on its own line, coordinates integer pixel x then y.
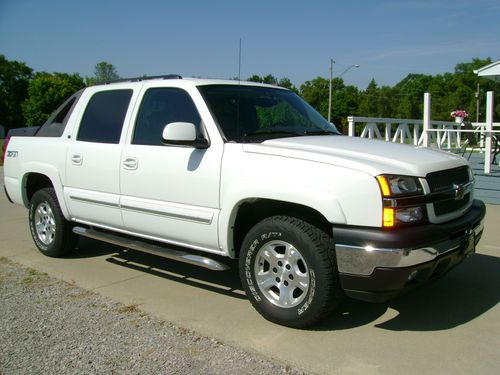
{"type": "Point", "coordinates": [180, 256]}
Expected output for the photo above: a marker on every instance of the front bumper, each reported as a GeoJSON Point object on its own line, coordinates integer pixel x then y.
{"type": "Point", "coordinates": [377, 264]}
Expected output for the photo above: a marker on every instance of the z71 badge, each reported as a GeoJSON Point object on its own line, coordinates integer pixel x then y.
{"type": "Point", "coordinates": [12, 154]}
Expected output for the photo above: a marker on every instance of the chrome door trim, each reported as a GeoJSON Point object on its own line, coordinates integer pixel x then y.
{"type": "Point", "coordinates": [93, 201]}
{"type": "Point", "coordinates": [168, 214]}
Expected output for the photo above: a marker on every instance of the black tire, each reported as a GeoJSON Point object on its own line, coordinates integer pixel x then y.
{"type": "Point", "coordinates": [54, 237]}
{"type": "Point", "coordinates": [316, 260]}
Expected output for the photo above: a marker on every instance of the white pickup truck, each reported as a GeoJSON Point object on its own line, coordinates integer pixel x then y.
{"type": "Point", "coordinates": [185, 168]}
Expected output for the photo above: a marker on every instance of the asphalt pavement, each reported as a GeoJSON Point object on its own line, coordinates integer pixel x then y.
{"type": "Point", "coordinates": [449, 327]}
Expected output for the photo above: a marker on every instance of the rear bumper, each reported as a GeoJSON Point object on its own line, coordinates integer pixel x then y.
{"type": "Point", "coordinates": [376, 264]}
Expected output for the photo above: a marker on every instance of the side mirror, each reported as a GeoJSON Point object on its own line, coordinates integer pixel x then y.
{"type": "Point", "coordinates": [183, 134]}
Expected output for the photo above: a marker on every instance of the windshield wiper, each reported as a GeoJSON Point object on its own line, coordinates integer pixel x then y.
{"type": "Point", "coordinates": [280, 133]}
{"type": "Point", "coordinates": [320, 132]}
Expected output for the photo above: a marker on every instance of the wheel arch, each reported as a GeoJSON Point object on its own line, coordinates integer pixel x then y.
{"type": "Point", "coordinates": [249, 212]}
{"type": "Point", "coordinates": [39, 176]}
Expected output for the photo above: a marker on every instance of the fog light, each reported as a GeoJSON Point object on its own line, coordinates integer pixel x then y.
{"type": "Point", "coordinates": [409, 215]}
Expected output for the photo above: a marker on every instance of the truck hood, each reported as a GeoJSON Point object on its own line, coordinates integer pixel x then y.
{"type": "Point", "coordinates": [367, 155]}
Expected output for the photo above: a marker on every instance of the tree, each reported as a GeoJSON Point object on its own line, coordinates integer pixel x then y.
{"type": "Point", "coordinates": [345, 99]}
{"type": "Point", "coordinates": [286, 83]}
{"type": "Point", "coordinates": [345, 103]}
{"type": "Point", "coordinates": [103, 72]}
{"type": "Point", "coordinates": [14, 81]}
{"type": "Point", "coordinates": [255, 78]}
{"type": "Point", "coordinates": [47, 92]}
{"type": "Point", "coordinates": [272, 80]}
{"type": "Point", "coordinates": [368, 105]}
{"type": "Point", "coordinates": [316, 93]}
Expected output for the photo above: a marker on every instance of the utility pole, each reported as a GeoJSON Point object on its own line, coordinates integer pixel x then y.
{"type": "Point", "coordinates": [330, 92]}
{"type": "Point", "coordinates": [331, 78]}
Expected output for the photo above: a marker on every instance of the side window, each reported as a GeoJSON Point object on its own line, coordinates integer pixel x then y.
{"type": "Point", "coordinates": [103, 119]}
{"type": "Point", "coordinates": [55, 124]}
{"type": "Point", "coordinates": [159, 107]}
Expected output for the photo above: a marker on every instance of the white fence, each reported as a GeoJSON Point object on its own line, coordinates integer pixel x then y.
{"type": "Point", "coordinates": [445, 135]}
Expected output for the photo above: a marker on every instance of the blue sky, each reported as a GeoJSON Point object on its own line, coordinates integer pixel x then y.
{"type": "Point", "coordinates": [296, 39]}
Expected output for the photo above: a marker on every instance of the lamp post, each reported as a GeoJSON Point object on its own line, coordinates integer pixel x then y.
{"type": "Point", "coordinates": [330, 92]}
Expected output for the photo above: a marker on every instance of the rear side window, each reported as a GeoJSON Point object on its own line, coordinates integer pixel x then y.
{"type": "Point", "coordinates": [159, 107]}
{"type": "Point", "coordinates": [54, 126]}
{"type": "Point", "coordinates": [103, 119]}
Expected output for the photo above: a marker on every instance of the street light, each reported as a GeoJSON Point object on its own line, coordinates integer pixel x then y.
{"type": "Point", "coordinates": [352, 66]}
{"type": "Point", "coordinates": [331, 77]}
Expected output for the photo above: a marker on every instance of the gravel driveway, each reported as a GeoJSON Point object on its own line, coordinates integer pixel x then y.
{"type": "Point", "coordinates": [51, 327]}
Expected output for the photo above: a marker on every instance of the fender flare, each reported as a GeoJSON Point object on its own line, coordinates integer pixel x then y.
{"type": "Point", "coordinates": [321, 201]}
{"type": "Point", "coordinates": [52, 174]}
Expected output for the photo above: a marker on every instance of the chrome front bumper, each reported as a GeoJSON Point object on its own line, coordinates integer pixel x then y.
{"type": "Point", "coordinates": [360, 252]}
{"type": "Point", "coordinates": [363, 260]}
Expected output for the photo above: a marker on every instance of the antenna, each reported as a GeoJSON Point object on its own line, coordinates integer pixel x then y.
{"type": "Point", "coordinates": [239, 64]}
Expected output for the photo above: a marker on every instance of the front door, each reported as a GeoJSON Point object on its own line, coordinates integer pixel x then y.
{"type": "Point", "coordinates": [170, 193]}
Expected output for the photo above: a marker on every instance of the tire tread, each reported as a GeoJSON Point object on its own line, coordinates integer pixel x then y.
{"type": "Point", "coordinates": [65, 241]}
{"type": "Point", "coordinates": [325, 250]}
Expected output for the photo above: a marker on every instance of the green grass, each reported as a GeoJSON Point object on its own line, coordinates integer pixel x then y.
{"type": "Point", "coordinates": [33, 277]}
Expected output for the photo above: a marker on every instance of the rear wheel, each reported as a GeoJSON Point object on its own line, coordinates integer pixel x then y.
{"type": "Point", "coordinates": [288, 270]}
{"type": "Point", "coordinates": [51, 232]}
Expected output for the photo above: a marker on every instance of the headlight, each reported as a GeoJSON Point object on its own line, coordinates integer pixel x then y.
{"type": "Point", "coordinates": [395, 190]}
{"type": "Point", "coordinates": [394, 186]}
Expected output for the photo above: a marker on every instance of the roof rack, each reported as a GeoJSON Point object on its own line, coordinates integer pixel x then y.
{"type": "Point", "coordinates": [145, 78]}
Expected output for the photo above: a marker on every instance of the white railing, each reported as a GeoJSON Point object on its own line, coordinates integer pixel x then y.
{"type": "Point", "coordinates": [408, 131]}
{"type": "Point", "coordinates": [445, 135]}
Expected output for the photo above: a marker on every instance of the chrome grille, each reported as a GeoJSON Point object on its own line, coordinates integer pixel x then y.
{"type": "Point", "coordinates": [442, 181]}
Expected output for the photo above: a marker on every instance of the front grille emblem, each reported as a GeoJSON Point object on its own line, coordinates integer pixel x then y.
{"type": "Point", "coordinates": [459, 191]}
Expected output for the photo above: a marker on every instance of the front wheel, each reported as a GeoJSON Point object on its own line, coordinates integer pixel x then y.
{"type": "Point", "coordinates": [51, 232]}
{"type": "Point", "coordinates": [288, 271]}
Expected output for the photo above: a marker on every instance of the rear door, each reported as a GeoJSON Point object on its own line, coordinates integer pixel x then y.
{"type": "Point", "coordinates": [93, 160]}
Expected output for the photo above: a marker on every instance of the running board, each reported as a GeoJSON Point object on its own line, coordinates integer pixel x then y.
{"type": "Point", "coordinates": [180, 256]}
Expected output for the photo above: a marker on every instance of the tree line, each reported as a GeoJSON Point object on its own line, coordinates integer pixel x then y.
{"type": "Point", "coordinates": [28, 97]}
{"type": "Point", "coordinates": [450, 91]}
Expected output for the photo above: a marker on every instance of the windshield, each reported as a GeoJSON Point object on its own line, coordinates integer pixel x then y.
{"type": "Point", "coordinates": [255, 114]}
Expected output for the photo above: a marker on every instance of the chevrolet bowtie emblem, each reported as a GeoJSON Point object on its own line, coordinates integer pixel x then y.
{"type": "Point", "coordinates": [459, 191]}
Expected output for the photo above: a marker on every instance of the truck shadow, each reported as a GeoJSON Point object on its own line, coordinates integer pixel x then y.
{"type": "Point", "coordinates": [89, 248]}
{"type": "Point", "coordinates": [462, 295]}
{"type": "Point", "coordinates": [222, 282]}
{"type": "Point", "coordinates": [225, 282]}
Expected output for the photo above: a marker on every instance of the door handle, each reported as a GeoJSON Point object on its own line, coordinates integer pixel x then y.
{"type": "Point", "coordinates": [130, 163]}
{"type": "Point", "coordinates": [77, 159]}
